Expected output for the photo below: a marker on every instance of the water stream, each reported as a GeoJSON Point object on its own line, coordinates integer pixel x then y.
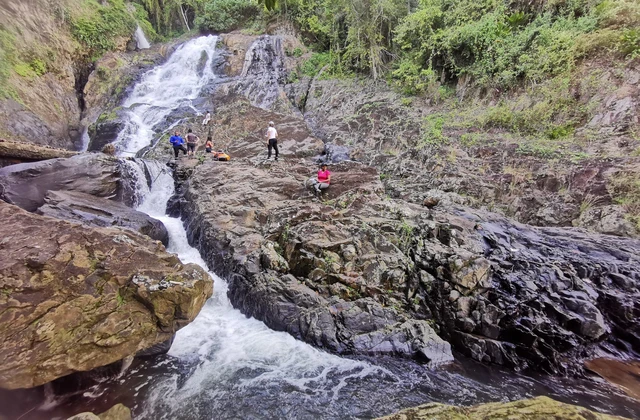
{"type": "Point", "coordinates": [165, 90]}
{"type": "Point", "coordinates": [141, 40]}
{"type": "Point", "coordinates": [225, 365]}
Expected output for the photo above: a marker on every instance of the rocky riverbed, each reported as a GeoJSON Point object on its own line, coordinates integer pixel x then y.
{"type": "Point", "coordinates": [385, 273]}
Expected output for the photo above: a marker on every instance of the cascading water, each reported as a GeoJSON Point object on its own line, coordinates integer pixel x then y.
{"type": "Point", "coordinates": [141, 40]}
{"type": "Point", "coordinates": [168, 87]}
{"type": "Point", "coordinates": [224, 365]}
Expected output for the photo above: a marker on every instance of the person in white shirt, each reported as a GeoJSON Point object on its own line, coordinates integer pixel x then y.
{"type": "Point", "coordinates": [207, 118]}
{"type": "Point", "coordinates": [272, 140]}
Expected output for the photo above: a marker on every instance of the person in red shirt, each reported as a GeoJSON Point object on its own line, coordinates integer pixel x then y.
{"type": "Point", "coordinates": [322, 180]}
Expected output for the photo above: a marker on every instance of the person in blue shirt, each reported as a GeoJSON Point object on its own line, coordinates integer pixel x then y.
{"type": "Point", "coordinates": [178, 144]}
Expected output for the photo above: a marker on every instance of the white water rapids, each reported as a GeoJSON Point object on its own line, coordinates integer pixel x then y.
{"type": "Point", "coordinates": [164, 89]}
{"type": "Point", "coordinates": [232, 354]}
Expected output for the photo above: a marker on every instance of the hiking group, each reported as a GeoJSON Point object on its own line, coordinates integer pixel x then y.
{"type": "Point", "coordinates": [320, 182]}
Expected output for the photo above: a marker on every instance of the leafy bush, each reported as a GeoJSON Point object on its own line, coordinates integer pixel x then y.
{"type": "Point", "coordinates": [7, 53]}
{"type": "Point", "coordinates": [226, 15]}
{"type": "Point", "coordinates": [98, 31]}
{"type": "Point", "coordinates": [499, 44]}
{"type": "Point", "coordinates": [630, 43]}
{"type": "Point", "coordinates": [142, 17]}
{"type": "Point", "coordinates": [412, 79]}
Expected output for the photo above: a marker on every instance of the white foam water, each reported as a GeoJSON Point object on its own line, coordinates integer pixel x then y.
{"type": "Point", "coordinates": [141, 40]}
{"type": "Point", "coordinates": [165, 88]}
{"type": "Point", "coordinates": [233, 354]}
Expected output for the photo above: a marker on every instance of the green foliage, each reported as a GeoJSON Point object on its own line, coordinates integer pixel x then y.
{"type": "Point", "coordinates": [630, 43]}
{"type": "Point", "coordinates": [550, 111]}
{"type": "Point", "coordinates": [327, 62]}
{"type": "Point", "coordinates": [413, 79]}
{"type": "Point", "coordinates": [225, 15]}
{"type": "Point", "coordinates": [142, 18]}
{"type": "Point", "coordinates": [625, 190]}
{"type": "Point", "coordinates": [500, 44]}
{"type": "Point", "coordinates": [7, 58]}
{"type": "Point", "coordinates": [315, 63]}
{"type": "Point", "coordinates": [433, 131]}
{"type": "Point", "coordinates": [91, 29]}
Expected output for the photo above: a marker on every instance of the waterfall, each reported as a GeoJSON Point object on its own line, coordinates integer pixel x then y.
{"type": "Point", "coordinates": [164, 89]}
{"type": "Point", "coordinates": [141, 40]}
{"type": "Point", "coordinates": [225, 365]}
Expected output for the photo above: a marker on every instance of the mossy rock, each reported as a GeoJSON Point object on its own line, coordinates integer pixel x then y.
{"type": "Point", "coordinates": [540, 408]}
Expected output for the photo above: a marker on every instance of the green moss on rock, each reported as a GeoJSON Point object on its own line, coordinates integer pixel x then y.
{"type": "Point", "coordinates": [540, 408]}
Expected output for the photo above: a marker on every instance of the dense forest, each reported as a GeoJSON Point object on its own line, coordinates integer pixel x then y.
{"type": "Point", "coordinates": [421, 46]}
{"type": "Point", "coordinates": [423, 43]}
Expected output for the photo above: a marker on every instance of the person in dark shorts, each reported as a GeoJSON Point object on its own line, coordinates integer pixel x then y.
{"type": "Point", "coordinates": [178, 144]}
{"type": "Point", "coordinates": [192, 142]}
{"type": "Point", "coordinates": [272, 140]}
{"type": "Point", "coordinates": [208, 146]}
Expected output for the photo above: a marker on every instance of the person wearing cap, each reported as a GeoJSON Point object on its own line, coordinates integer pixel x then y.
{"type": "Point", "coordinates": [272, 140]}
{"type": "Point", "coordinates": [322, 180]}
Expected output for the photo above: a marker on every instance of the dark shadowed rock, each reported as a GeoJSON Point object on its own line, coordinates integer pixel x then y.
{"type": "Point", "coordinates": [358, 272]}
{"type": "Point", "coordinates": [74, 298]}
{"type": "Point", "coordinates": [95, 211]}
{"type": "Point", "coordinates": [26, 184]}
{"type": "Point", "coordinates": [102, 133]}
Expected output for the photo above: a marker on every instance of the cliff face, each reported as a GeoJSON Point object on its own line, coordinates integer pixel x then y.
{"type": "Point", "coordinates": [40, 103]}
{"type": "Point", "coordinates": [47, 53]}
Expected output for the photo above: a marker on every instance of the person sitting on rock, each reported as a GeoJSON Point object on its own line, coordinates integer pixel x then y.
{"type": "Point", "coordinates": [178, 144]}
{"type": "Point", "coordinates": [322, 180]}
{"type": "Point", "coordinates": [192, 142]}
{"type": "Point", "coordinates": [208, 146]}
{"type": "Point", "coordinates": [207, 118]}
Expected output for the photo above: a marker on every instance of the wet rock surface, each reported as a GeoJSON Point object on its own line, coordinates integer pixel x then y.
{"type": "Point", "coordinates": [74, 298]}
{"type": "Point", "coordinates": [26, 184]}
{"type": "Point", "coordinates": [540, 408]}
{"type": "Point", "coordinates": [117, 412]}
{"type": "Point", "coordinates": [363, 271]}
{"type": "Point", "coordinates": [95, 211]}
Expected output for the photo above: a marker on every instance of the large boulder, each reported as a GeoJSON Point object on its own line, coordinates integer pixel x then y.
{"type": "Point", "coordinates": [322, 274]}
{"type": "Point", "coordinates": [117, 412]}
{"type": "Point", "coordinates": [12, 152]}
{"type": "Point", "coordinates": [74, 298]}
{"type": "Point", "coordinates": [26, 184]}
{"type": "Point", "coordinates": [95, 211]}
{"type": "Point", "coordinates": [540, 408]}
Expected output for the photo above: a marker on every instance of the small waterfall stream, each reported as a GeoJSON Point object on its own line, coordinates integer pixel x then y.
{"type": "Point", "coordinates": [141, 40]}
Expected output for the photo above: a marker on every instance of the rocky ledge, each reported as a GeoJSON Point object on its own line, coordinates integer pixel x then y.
{"type": "Point", "coordinates": [540, 408]}
{"type": "Point", "coordinates": [117, 412]}
{"type": "Point", "coordinates": [74, 298]}
{"type": "Point", "coordinates": [360, 272]}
